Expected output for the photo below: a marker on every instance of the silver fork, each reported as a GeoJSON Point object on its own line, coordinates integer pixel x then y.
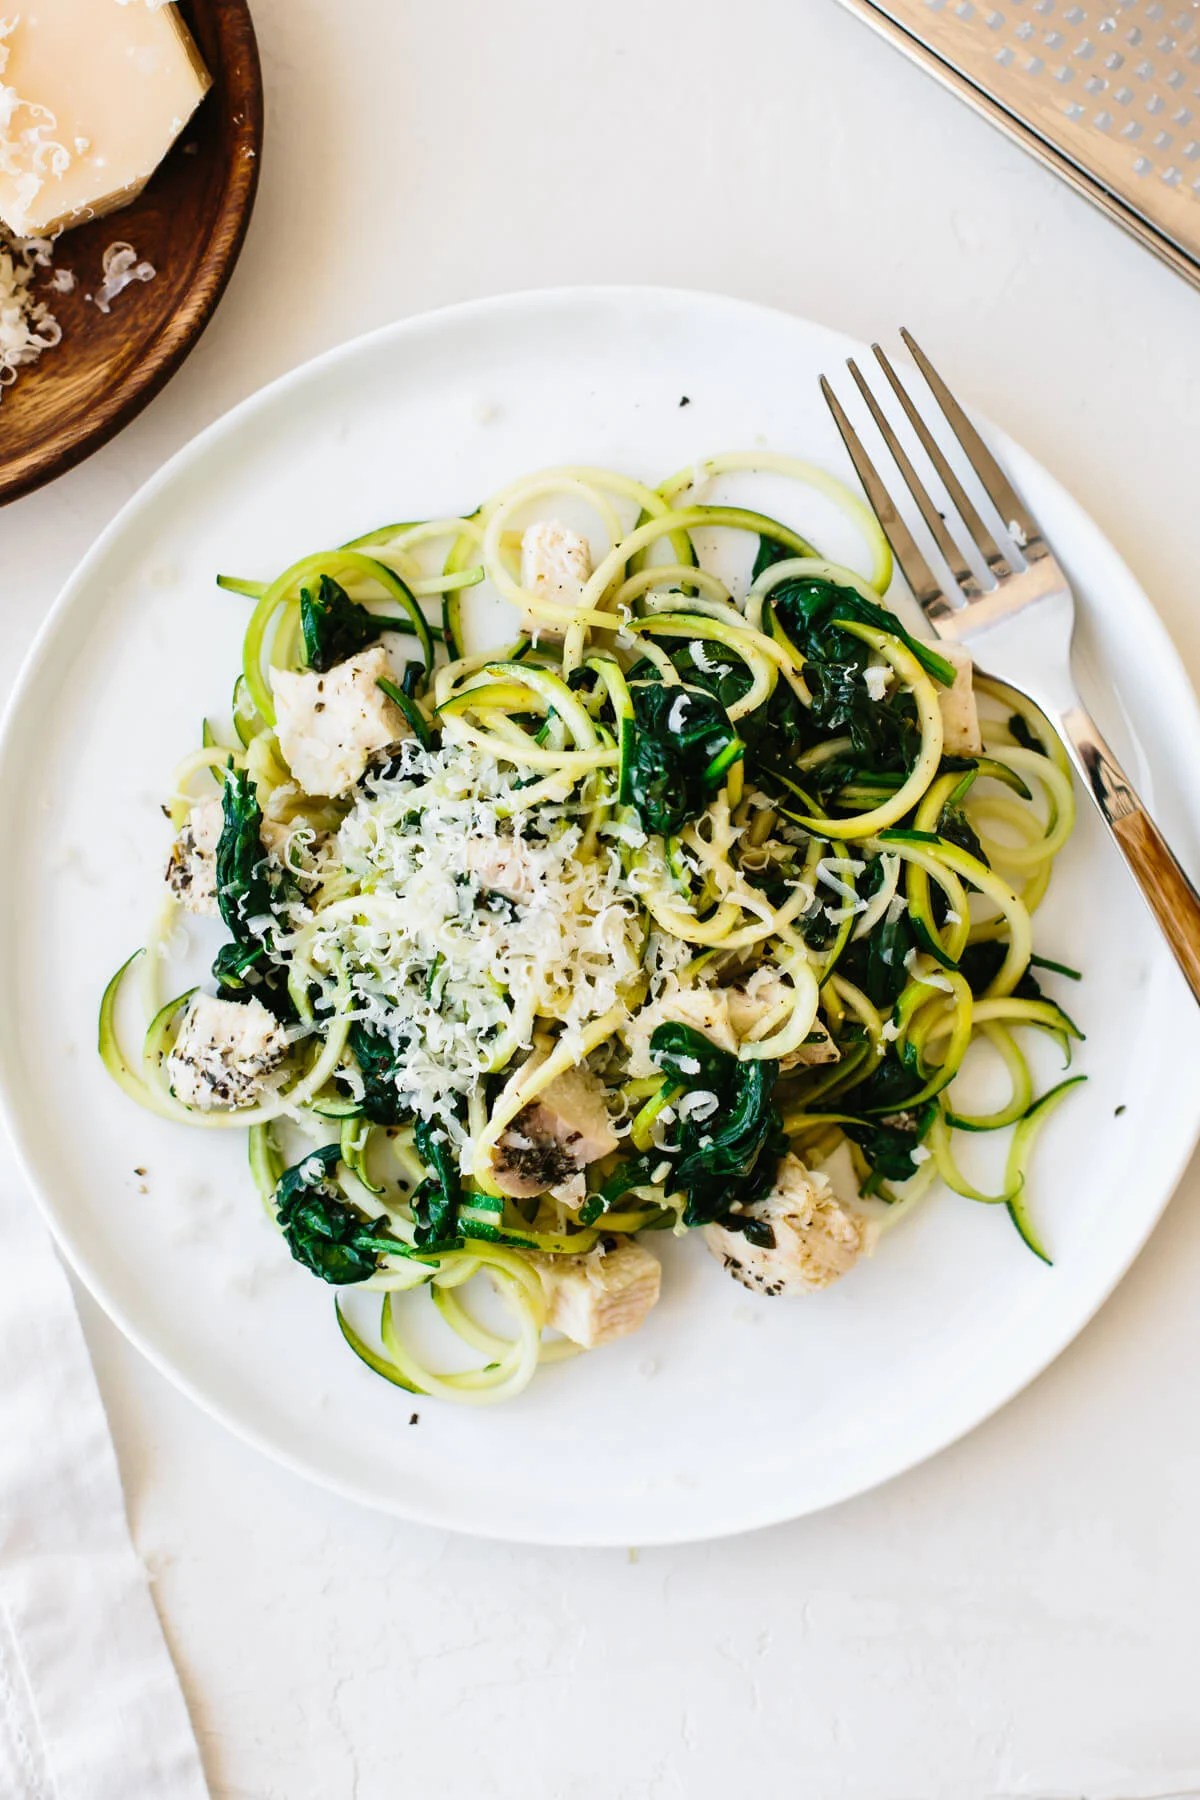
{"type": "Point", "coordinates": [1018, 629]}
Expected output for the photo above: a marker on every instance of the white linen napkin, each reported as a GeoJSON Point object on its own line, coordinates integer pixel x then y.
{"type": "Point", "coordinates": [90, 1705]}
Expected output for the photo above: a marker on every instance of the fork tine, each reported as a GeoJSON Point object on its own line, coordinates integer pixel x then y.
{"type": "Point", "coordinates": [1019, 521]}
{"type": "Point", "coordinates": [957, 563]}
{"type": "Point", "coordinates": [926, 588]}
{"type": "Point", "coordinates": [959, 499]}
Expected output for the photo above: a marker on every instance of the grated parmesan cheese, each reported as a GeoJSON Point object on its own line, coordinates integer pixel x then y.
{"type": "Point", "coordinates": [450, 970]}
{"type": "Point", "coordinates": [876, 679]}
{"type": "Point", "coordinates": [119, 267]}
{"type": "Point", "coordinates": [27, 326]}
{"type": "Point", "coordinates": [700, 1104]}
{"type": "Point", "coordinates": [832, 870]}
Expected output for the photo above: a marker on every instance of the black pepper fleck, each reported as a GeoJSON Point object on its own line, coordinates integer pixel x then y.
{"type": "Point", "coordinates": [685, 400]}
{"type": "Point", "coordinates": [415, 1419]}
{"type": "Point", "coordinates": [1118, 1112]}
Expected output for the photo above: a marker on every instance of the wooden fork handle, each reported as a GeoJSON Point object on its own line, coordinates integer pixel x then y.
{"type": "Point", "coordinates": [1165, 887]}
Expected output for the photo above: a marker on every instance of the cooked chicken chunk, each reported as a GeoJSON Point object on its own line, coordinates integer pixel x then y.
{"type": "Point", "coordinates": [603, 1295]}
{"type": "Point", "coordinates": [960, 715]}
{"type": "Point", "coordinates": [552, 1140]}
{"type": "Point", "coordinates": [226, 1053]}
{"type": "Point", "coordinates": [814, 1239]}
{"type": "Point", "coordinates": [752, 1001]}
{"type": "Point", "coordinates": [330, 726]}
{"type": "Point", "coordinates": [192, 871]}
{"type": "Point", "coordinates": [706, 1009]}
{"type": "Point", "coordinates": [555, 565]}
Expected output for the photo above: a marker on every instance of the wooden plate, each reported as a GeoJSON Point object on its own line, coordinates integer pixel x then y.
{"type": "Point", "coordinates": [189, 222]}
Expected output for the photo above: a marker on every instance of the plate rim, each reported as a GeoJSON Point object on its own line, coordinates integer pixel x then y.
{"type": "Point", "coordinates": [939, 1436]}
{"type": "Point", "coordinates": [238, 87]}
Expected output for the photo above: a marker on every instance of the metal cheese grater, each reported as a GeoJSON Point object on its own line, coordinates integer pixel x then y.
{"type": "Point", "coordinates": [1107, 92]}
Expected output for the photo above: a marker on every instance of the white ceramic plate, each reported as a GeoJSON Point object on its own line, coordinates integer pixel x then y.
{"type": "Point", "coordinates": [726, 1411]}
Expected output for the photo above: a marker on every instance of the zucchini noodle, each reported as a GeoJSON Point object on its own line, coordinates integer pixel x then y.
{"type": "Point", "coordinates": [693, 895]}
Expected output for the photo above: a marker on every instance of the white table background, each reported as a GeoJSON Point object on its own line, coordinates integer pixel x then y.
{"type": "Point", "coordinates": [1017, 1618]}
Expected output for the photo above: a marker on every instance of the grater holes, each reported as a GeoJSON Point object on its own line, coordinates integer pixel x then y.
{"type": "Point", "coordinates": [1123, 70]}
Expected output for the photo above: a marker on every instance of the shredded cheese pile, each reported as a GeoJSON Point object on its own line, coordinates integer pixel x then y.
{"type": "Point", "coordinates": [474, 918]}
{"type": "Point", "coordinates": [27, 326]}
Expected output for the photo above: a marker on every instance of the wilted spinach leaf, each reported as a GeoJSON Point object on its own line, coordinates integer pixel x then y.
{"type": "Point", "coordinates": [683, 743]}
{"type": "Point", "coordinates": [243, 881]}
{"type": "Point", "coordinates": [336, 627]}
{"type": "Point", "coordinates": [956, 828]}
{"type": "Point", "coordinates": [888, 1146]}
{"type": "Point", "coordinates": [636, 1172]}
{"type": "Point", "coordinates": [876, 962]}
{"type": "Point", "coordinates": [980, 964]}
{"type": "Point", "coordinates": [323, 1231]}
{"type": "Point", "coordinates": [1019, 727]}
{"type": "Point", "coordinates": [889, 1087]}
{"type": "Point", "coordinates": [744, 1137]}
{"type": "Point", "coordinates": [245, 889]}
{"type": "Point", "coordinates": [436, 1201]}
{"type": "Point", "coordinates": [377, 1060]}
{"type": "Point", "coordinates": [808, 604]}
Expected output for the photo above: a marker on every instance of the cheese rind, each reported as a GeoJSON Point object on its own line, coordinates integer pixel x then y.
{"type": "Point", "coordinates": [92, 96]}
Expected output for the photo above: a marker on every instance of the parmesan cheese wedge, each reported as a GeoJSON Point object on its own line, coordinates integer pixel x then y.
{"type": "Point", "coordinates": [92, 96]}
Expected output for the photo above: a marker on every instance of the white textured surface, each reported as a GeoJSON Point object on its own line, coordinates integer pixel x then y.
{"type": "Point", "coordinates": [1016, 1618]}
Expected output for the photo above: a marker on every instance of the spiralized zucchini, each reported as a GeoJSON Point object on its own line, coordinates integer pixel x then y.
{"type": "Point", "coordinates": [677, 787]}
